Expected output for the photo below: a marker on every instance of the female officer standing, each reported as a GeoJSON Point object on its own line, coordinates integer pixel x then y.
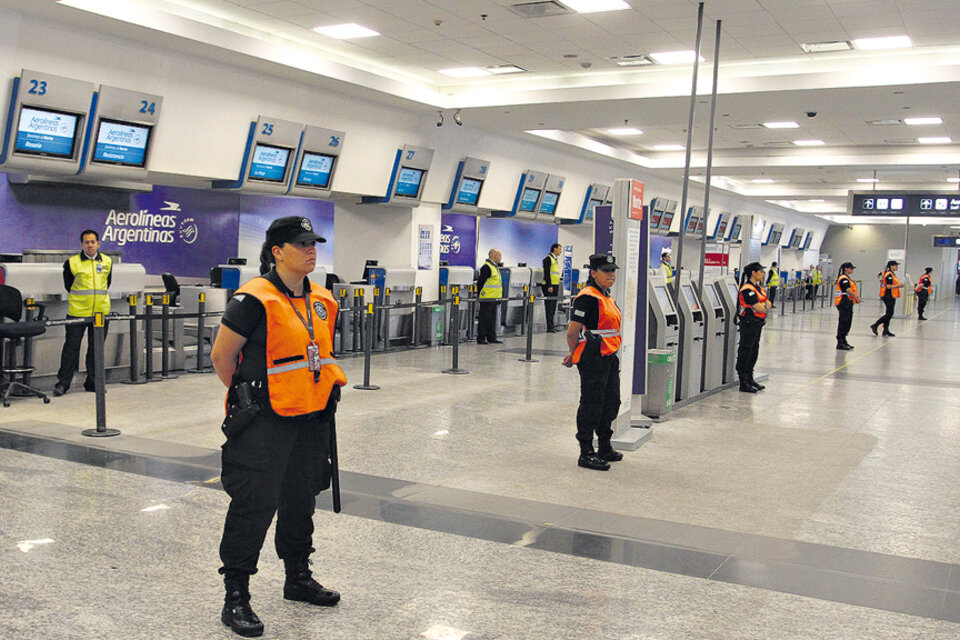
{"type": "Point", "coordinates": [753, 313]}
{"type": "Point", "coordinates": [924, 288]}
{"type": "Point", "coordinates": [593, 337]}
{"type": "Point", "coordinates": [275, 347]}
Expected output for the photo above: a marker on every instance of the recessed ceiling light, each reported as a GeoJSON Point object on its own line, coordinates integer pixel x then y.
{"type": "Point", "coordinates": [890, 42]}
{"type": "Point", "coordinates": [916, 121]}
{"type": "Point", "coordinates": [675, 57]}
{"type": "Point", "coordinates": [868, 180]}
{"type": "Point", "coordinates": [668, 147]}
{"type": "Point", "coordinates": [824, 47]}
{"type": "Point", "coordinates": [809, 143]}
{"type": "Point", "coordinates": [625, 131]}
{"type": "Point", "coordinates": [953, 179]}
{"type": "Point", "coordinates": [465, 72]}
{"type": "Point", "coordinates": [506, 68]}
{"type": "Point", "coordinates": [762, 181]}
{"type": "Point", "coordinates": [595, 6]}
{"type": "Point", "coordinates": [817, 200]}
{"type": "Point", "coordinates": [345, 31]}
{"type": "Point", "coordinates": [635, 60]}
{"type": "Point", "coordinates": [781, 125]}
{"type": "Point", "coordinates": [884, 123]}
{"type": "Point", "coordinates": [937, 140]}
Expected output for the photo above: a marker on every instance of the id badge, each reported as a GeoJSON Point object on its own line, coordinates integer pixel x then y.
{"type": "Point", "coordinates": [313, 357]}
{"type": "Point", "coordinates": [99, 267]}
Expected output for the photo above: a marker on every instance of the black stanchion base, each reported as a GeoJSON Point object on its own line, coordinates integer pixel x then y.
{"type": "Point", "coordinates": [140, 381]}
{"type": "Point", "coordinates": [107, 433]}
{"type": "Point", "coordinates": [366, 387]}
{"type": "Point", "coordinates": [456, 372]}
{"type": "Point", "coordinates": [204, 370]}
{"type": "Point", "coordinates": [528, 360]}
{"type": "Point", "coordinates": [169, 376]}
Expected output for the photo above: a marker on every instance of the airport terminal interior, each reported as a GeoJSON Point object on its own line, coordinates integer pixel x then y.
{"type": "Point", "coordinates": [420, 139]}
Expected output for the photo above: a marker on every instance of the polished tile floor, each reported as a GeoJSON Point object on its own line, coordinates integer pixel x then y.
{"type": "Point", "coordinates": [826, 506]}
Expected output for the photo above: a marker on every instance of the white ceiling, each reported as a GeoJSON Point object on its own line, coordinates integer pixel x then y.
{"type": "Point", "coordinates": [572, 91]}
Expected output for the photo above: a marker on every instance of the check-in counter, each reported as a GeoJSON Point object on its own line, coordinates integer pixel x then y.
{"type": "Point", "coordinates": [729, 294]}
{"type": "Point", "coordinates": [515, 279]}
{"type": "Point", "coordinates": [184, 332]}
{"type": "Point", "coordinates": [461, 278]}
{"type": "Point", "coordinates": [714, 336]}
{"type": "Point", "coordinates": [399, 283]}
{"type": "Point", "coordinates": [539, 311]}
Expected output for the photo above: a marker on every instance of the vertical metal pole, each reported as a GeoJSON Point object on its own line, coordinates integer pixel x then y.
{"type": "Point", "coordinates": [385, 320]}
{"type": "Point", "coordinates": [99, 380]}
{"type": "Point", "coordinates": [342, 318]}
{"type": "Point", "coordinates": [529, 318]}
{"type": "Point", "coordinates": [148, 336]}
{"type": "Point", "coordinates": [370, 322]}
{"type": "Point", "coordinates": [355, 312]}
{"type": "Point", "coordinates": [165, 338]}
{"type": "Point", "coordinates": [472, 313]}
{"type": "Point", "coordinates": [361, 327]}
{"type": "Point", "coordinates": [416, 317]}
{"type": "Point", "coordinates": [455, 318]}
{"type": "Point", "coordinates": [201, 308]}
{"type": "Point", "coordinates": [376, 317]}
{"type": "Point", "coordinates": [523, 323]}
{"type": "Point", "coordinates": [30, 304]}
{"type": "Point", "coordinates": [134, 344]}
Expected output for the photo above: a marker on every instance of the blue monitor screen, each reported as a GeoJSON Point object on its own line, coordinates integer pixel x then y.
{"type": "Point", "coordinates": [590, 208]}
{"type": "Point", "coordinates": [46, 133]}
{"type": "Point", "coordinates": [735, 232]}
{"type": "Point", "coordinates": [469, 191]}
{"type": "Point", "coordinates": [692, 223]}
{"type": "Point", "coordinates": [269, 163]}
{"type": "Point", "coordinates": [528, 201]}
{"type": "Point", "coordinates": [806, 240]}
{"type": "Point", "coordinates": [121, 143]}
{"type": "Point", "coordinates": [315, 170]}
{"type": "Point", "coordinates": [666, 220]}
{"type": "Point", "coordinates": [549, 204]}
{"type": "Point", "coordinates": [408, 182]}
{"type": "Point", "coordinates": [721, 228]}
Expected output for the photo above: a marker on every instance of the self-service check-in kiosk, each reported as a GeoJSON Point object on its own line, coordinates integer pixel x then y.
{"type": "Point", "coordinates": [663, 333]}
{"type": "Point", "coordinates": [729, 294]}
{"type": "Point", "coordinates": [514, 280]}
{"type": "Point", "coordinates": [714, 336]}
{"type": "Point", "coordinates": [393, 286]}
{"type": "Point", "coordinates": [691, 339]}
{"type": "Point", "coordinates": [459, 279]}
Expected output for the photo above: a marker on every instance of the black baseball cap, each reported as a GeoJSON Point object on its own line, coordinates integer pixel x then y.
{"type": "Point", "coordinates": [753, 266]}
{"type": "Point", "coordinates": [292, 229]}
{"type": "Point", "coordinates": [847, 265]}
{"type": "Point", "coordinates": [890, 263]}
{"type": "Point", "coordinates": [603, 262]}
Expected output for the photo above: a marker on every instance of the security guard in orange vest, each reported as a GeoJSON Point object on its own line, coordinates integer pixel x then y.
{"type": "Point", "coordinates": [752, 315]}
{"type": "Point", "coordinates": [890, 288]}
{"type": "Point", "coordinates": [924, 289]}
{"type": "Point", "coordinates": [86, 277]}
{"type": "Point", "coordinates": [593, 337]}
{"type": "Point", "coordinates": [275, 347]}
{"type": "Point", "coordinates": [844, 297]}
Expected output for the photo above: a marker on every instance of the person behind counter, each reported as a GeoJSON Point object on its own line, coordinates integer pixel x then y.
{"type": "Point", "coordinates": [593, 337]}
{"type": "Point", "coordinates": [552, 280]}
{"type": "Point", "coordinates": [752, 316]}
{"type": "Point", "coordinates": [490, 290]}
{"type": "Point", "coordinates": [274, 354]}
{"type": "Point", "coordinates": [86, 277]}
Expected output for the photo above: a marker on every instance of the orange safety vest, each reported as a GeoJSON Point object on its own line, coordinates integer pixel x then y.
{"type": "Point", "coordinates": [293, 389]}
{"type": "Point", "coordinates": [838, 294]}
{"type": "Point", "coordinates": [883, 285]}
{"type": "Point", "coordinates": [608, 328]}
{"type": "Point", "coordinates": [926, 283]}
{"type": "Point", "coordinates": [760, 294]}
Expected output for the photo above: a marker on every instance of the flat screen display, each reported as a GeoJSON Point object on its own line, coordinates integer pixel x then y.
{"type": "Point", "coordinates": [528, 201]}
{"type": "Point", "coordinates": [699, 225]}
{"type": "Point", "coordinates": [691, 299]}
{"type": "Point", "coordinates": [712, 296]}
{"type": "Point", "coordinates": [663, 297]}
{"type": "Point", "coordinates": [549, 203]}
{"type": "Point", "coordinates": [796, 241]}
{"type": "Point", "coordinates": [807, 240]}
{"type": "Point", "coordinates": [469, 192]}
{"type": "Point", "coordinates": [408, 182]}
{"type": "Point", "coordinates": [666, 220]}
{"type": "Point", "coordinates": [591, 206]}
{"type": "Point", "coordinates": [315, 170]}
{"type": "Point", "coordinates": [655, 215]}
{"type": "Point", "coordinates": [122, 143]}
{"type": "Point", "coordinates": [721, 228]}
{"type": "Point", "coordinates": [735, 233]}
{"type": "Point", "coordinates": [44, 132]}
{"type": "Point", "coordinates": [734, 292]}
{"type": "Point", "coordinates": [269, 163]}
{"type": "Point", "coordinates": [691, 224]}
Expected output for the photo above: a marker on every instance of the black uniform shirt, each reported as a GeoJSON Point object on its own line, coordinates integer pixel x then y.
{"type": "Point", "coordinates": [547, 268]}
{"type": "Point", "coordinates": [586, 309]}
{"type": "Point", "coordinates": [888, 280]}
{"type": "Point", "coordinates": [751, 298]}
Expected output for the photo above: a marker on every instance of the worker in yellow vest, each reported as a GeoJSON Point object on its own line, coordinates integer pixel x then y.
{"type": "Point", "coordinates": [773, 283]}
{"type": "Point", "coordinates": [844, 297]}
{"type": "Point", "coordinates": [666, 265]}
{"type": "Point", "coordinates": [86, 277]}
{"type": "Point", "coordinates": [890, 288]}
{"type": "Point", "coordinates": [551, 285]}
{"type": "Point", "coordinates": [816, 279]}
{"type": "Point", "coordinates": [490, 290]}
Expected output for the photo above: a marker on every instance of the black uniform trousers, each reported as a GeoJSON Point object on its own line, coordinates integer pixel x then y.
{"type": "Point", "coordinates": [550, 306]}
{"type": "Point", "coordinates": [890, 304]}
{"type": "Point", "coordinates": [922, 297]}
{"type": "Point", "coordinates": [70, 356]}
{"type": "Point", "coordinates": [273, 466]}
{"type": "Point", "coordinates": [845, 319]}
{"type": "Point", "coordinates": [772, 294]}
{"type": "Point", "coordinates": [487, 322]}
{"type": "Point", "coordinates": [599, 398]}
{"type": "Point", "coordinates": [749, 347]}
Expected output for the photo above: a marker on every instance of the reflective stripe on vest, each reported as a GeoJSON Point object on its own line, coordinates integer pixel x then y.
{"type": "Point", "coordinates": [492, 286]}
{"type": "Point", "coordinates": [293, 388]}
{"type": "Point", "coordinates": [743, 303]}
{"type": "Point", "coordinates": [608, 325]}
{"type": "Point", "coordinates": [774, 278]}
{"type": "Point", "coordinates": [554, 278]}
{"type": "Point", "coordinates": [925, 284]}
{"type": "Point", "coordinates": [669, 271]}
{"type": "Point", "coordinates": [851, 292]}
{"type": "Point", "coordinates": [88, 294]}
{"type": "Point", "coordinates": [883, 285]}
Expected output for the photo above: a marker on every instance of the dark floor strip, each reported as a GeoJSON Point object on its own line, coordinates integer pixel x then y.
{"type": "Point", "coordinates": [890, 583]}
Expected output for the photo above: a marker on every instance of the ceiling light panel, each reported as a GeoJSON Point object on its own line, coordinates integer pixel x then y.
{"type": "Point", "coordinates": [921, 121]}
{"type": "Point", "coordinates": [465, 72]}
{"type": "Point", "coordinates": [781, 125]}
{"type": "Point", "coordinates": [668, 147]}
{"type": "Point", "coordinates": [595, 6]}
{"type": "Point", "coordinates": [884, 123]}
{"type": "Point", "coordinates": [675, 57]}
{"type": "Point", "coordinates": [505, 68]}
{"type": "Point", "coordinates": [866, 180]}
{"type": "Point", "coordinates": [346, 31]}
{"type": "Point", "coordinates": [763, 181]}
{"type": "Point", "coordinates": [809, 143]}
{"type": "Point", "coordinates": [890, 42]}
{"type": "Point", "coordinates": [825, 47]}
{"type": "Point", "coordinates": [625, 131]}
{"type": "Point", "coordinates": [935, 140]}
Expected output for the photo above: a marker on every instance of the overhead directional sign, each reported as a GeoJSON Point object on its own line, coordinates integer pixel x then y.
{"type": "Point", "coordinates": [929, 204]}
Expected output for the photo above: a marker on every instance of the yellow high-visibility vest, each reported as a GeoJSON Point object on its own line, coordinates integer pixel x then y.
{"type": "Point", "coordinates": [493, 286]}
{"type": "Point", "coordinates": [88, 295]}
{"type": "Point", "coordinates": [554, 275]}
{"type": "Point", "coordinates": [774, 278]}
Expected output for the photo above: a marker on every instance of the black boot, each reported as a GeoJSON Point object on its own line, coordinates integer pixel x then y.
{"type": "Point", "coordinates": [301, 586]}
{"type": "Point", "coordinates": [756, 385]}
{"type": "Point", "coordinates": [237, 613]}
{"type": "Point", "coordinates": [590, 460]}
{"type": "Point", "coordinates": [607, 454]}
{"type": "Point", "coordinates": [746, 387]}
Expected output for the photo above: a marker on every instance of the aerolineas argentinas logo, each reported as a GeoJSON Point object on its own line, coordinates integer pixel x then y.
{"type": "Point", "coordinates": [150, 228]}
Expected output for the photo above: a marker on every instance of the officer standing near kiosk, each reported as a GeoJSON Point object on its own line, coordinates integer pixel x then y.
{"type": "Point", "coordinates": [593, 337]}
{"type": "Point", "coordinates": [551, 284]}
{"type": "Point", "coordinates": [844, 297]}
{"type": "Point", "coordinates": [274, 354]}
{"type": "Point", "coordinates": [753, 315]}
{"type": "Point", "coordinates": [490, 288]}
{"type": "Point", "coordinates": [86, 276]}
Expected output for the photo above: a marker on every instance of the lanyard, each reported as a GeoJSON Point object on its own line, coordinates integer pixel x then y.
{"type": "Point", "coordinates": [308, 323]}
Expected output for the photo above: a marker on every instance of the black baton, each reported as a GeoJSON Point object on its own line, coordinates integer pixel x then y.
{"type": "Point", "coordinates": [334, 465]}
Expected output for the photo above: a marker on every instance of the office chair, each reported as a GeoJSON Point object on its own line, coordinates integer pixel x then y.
{"type": "Point", "coordinates": [173, 288]}
{"type": "Point", "coordinates": [11, 333]}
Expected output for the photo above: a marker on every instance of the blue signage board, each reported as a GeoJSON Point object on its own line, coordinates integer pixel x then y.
{"type": "Point", "coordinates": [603, 229]}
{"type": "Point", "coordinates": [458, 239]}
{"type": "Point", "coordinates": [121, 143]}
{"type": "Point", "coordinates": [46, 132]}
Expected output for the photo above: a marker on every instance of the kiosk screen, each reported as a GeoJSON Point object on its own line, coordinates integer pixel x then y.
{"type": "Point", "coordinates": [549, 204]}
{"type": "Point", "coordinates": [469, 192]}
{"type": "Point", "coordinates": [663, 297]}
{"type": "Point", "coordinates": [121, 143]}
{"type": "Point", "coordinates": [691, 299]}
{"type": "Point", "coordinates": [269, 163]}
{"type": "Point", "coordinates": [315, 170]}
{"type": "Point", "coordinates": [712, 296]}
{"type": "Point", "coordinates": [699, 225]}
{"type": "Point", "coordinates": [528, 201]}
{"type": "Point", "coordinates": [590, 208]}
{"type": "Point", "coordinates": [735, 292]}
{"type": "Point", "coordinates": [44, 132]}
{"type": "Point", "coordinates": [408, 182]}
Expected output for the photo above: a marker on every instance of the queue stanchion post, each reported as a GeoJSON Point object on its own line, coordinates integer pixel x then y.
{"type": "Point", "coordinates": [385, 321]}
{"type": "Point", "coordinates": [418, 300]}
{"type": "Point", "coordinates": [361, 323]}
{"type": "Point", "coordinates": [165, 338]}
{"type": "Point", "coordinates": [30, 304]}
{"type": "Point", "coordinates": [803, 301]}
{"type": "Point", "coordinates": [201, 333]}
{"type": "Point", "coordinates": [148, 336]}
{"type": "Point", "coordinates": [454, 332]}
{"type": "Point", "coordinates": [355, 316]}
{"type": "Point", "coordinates": [523, 325]}
{"type": "Point", "coordinates": [796, 292]}
{"type": "Point", "coordinates": [529, 321]}
{"type": "Point", "coordinates": [367, 349]}
{"type": "Point", "coordinates": [377, 315]}
{"type": "Point", "coordinates": [100, 381]}
{"type": "Point", "coordinates": [342, 318]}
{"type": "Point", "coordinates": [472, 313]}
{"type": "Point", "coordinates": [455, 319]}
{"type": "Point", "coordinates": [134, 346]}
{"type": "Point", "coordinates": [445, 338]}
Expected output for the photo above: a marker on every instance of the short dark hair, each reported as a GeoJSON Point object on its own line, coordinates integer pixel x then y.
{"type": "Point", "coordinates": [86, 231]}
{"type": "Point", "coordinates": [556, 245]}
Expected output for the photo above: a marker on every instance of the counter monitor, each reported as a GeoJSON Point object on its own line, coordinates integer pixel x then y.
{"type": "Point", "coordinates": [408, 182]}
{"type": "Point", "coordinates": [469, 192]}
{"type": "Point", "coordinates": [45, 132]}
{"type": "Point", "coordinates": [121, 143]}
{"type": "Point", "coordinates": [549, 204]}
{"type": "Point", "coordinates": [269, 163]}
{"type": "Point", "coordinates": [528, 201]}
{"type": "Point", "coordinates": [315, 170]}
